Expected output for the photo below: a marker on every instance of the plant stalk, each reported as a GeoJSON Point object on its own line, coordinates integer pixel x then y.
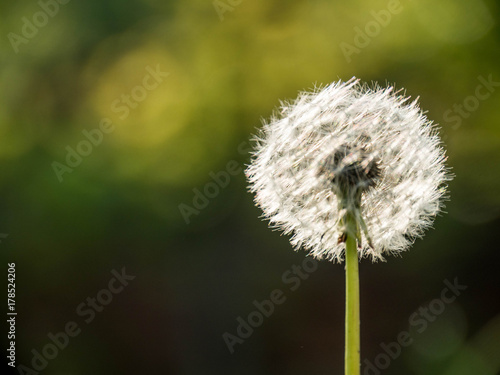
{"type": "Point", "coordinates": [352, 332]}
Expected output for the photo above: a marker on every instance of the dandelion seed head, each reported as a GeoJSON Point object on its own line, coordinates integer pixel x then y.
{"type": "Point", "coordinates": [349, 148]}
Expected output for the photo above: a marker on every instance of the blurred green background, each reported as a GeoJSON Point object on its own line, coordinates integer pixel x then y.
{"type": "Point", "coordinates": [129, 201]}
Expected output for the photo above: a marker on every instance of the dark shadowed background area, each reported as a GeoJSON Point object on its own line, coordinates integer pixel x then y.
{"type": "Point", "coordinates": [124, 132]}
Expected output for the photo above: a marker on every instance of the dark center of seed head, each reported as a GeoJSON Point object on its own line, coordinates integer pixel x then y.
{"type": "Point", "coordinates": [351, 170]}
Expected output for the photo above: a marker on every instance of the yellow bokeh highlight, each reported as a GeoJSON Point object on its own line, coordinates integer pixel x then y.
{"type": "Point", "coordinates": [147, 106]}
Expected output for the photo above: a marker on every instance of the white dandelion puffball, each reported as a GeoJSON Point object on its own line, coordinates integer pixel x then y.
{"type": "Point", "coordinates": [349, 149]}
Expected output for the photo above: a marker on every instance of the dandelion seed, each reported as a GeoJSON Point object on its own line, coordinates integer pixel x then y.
{"type": "Point", "coordinates": [349, 151]}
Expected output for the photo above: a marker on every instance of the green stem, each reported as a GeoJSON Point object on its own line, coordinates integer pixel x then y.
{"type": "Point", "coordinates": [352, 335]}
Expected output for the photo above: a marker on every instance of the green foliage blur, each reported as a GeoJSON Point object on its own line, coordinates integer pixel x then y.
{"type": "Point", "coordinates": [116, 120]}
